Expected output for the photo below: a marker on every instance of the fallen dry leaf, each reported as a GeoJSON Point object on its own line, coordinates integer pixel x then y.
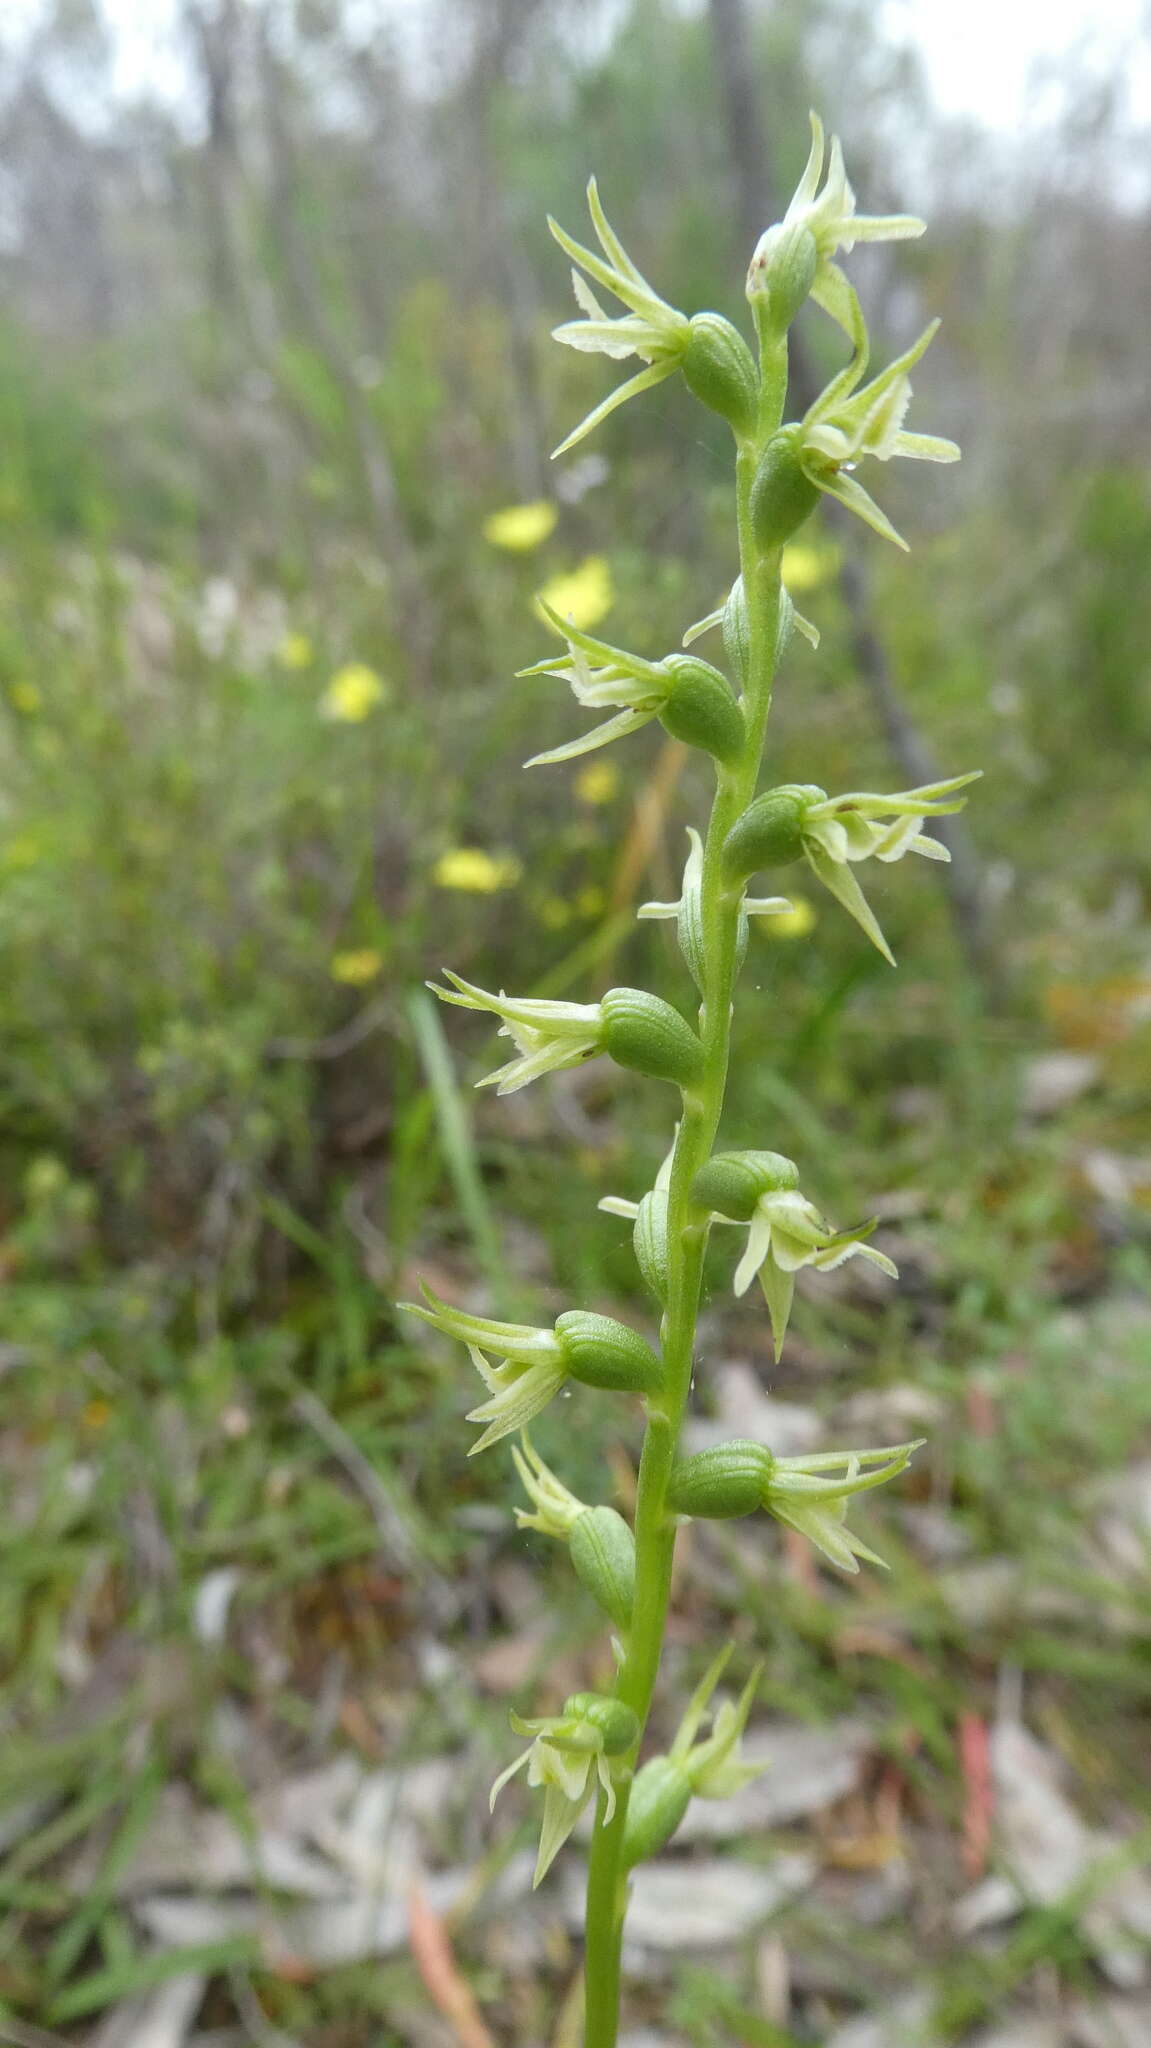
{"type": "Point", "coordinates": [978, 1795]}
{"type": "Point", "coordinates": [448, 1990]}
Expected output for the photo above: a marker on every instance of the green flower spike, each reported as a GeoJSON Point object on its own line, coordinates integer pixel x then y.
{"type": "Point", "coordinates": [570, 1753]}
{"type": "Point", "coordinates": [784, 1230]}
{"type": "Point", "coordinates": [650, 329]}
{"type": "Point", "coordinates": [816, 226]}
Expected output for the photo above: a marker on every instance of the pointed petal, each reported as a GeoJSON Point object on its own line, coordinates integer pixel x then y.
{"type": "Point", "coordinates": [931, 849]}
{"type": "Point", "coordinates": [607, 1782]}
{"type": "Point", "coordinates": [755, 1252]}
{"type": "Point", "coordinates": [599, 338]}
{"type": "Point", "coordinates": [613, 248]}
{"type": "Point", "coordinates": [927, 448]}
{"type": "Point", "coordinates": [852, 494]}
{"type": "Point", "coordinates": [887, 227]}
{"type": "Point", "coordinates": [586, 299]}
{"type": "Point", "coordinates": [515, 1406]}
{"type": "Point", "coordinates": [698, 1704]}
{"type": "Point", "coordinates": [504, 1777]}
{"type": "Point", "coordinates": [899, 837]}
{"type": "Point", "coordinates": [790, 1253]}
{"type": "Point", "coordinates": [846, 889]}
{"type": "Point", "coordinates": [703, 626]}
{"type": "Point", "coordinates": [878, 1258]}
{"type": "Point", "coordinates": [643, 381]}
{"type": "Point", "coordinates": [778, 1291]}
{"type": "Point", "coordinates": [832, 291]}
{"type": "Point", "coordinates": [600, 736]}
{"type": "Point", "coordinates": [630, 288]}
{"type": "Point", "coordinates": [808, 185]}
{"type": "Point", "coordinates": [560, 1817]}
{"type": "Point", "coordinates": [822, 1461]}
{"type": "Point", "coordinates": [484, 1330]}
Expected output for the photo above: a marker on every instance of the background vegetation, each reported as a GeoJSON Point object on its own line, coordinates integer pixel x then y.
{"type": "Point", "coordinates": [274, 352]}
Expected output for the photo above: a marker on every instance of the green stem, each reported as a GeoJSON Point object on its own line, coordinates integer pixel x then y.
{"type": "Point", "coordinates": [687, 1234]}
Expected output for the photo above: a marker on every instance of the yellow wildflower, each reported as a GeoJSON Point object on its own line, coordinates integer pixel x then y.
{"type": "Point", "coordinates": [23, 851]}
{"type": "Point", "coordinates": [583, 596]}
{"type": "Point", "coordinates": [25, 696]}
{"type": "Point", "coordinates": [791, 924]}
{"type": "Point", "coordinates": [805, 567]}
{"type": "Point", "coordinates": [357, 967]}
{"type": "Point", "coordinates": [519, 528]}
{"type": "Point", "coordinates": [295, 651]}
{"type": "Point", "coordinates": [470, 868]}
{"type": "Point", "coordinates": [590, 901]}
{"type": "Point", "coordinates": [597, 783]}
{"type": "Point", "coordinates": [353, 692]}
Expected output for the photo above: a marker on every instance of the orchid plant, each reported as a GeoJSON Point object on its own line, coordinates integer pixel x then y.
{"type": "Point", "coordinates": [591, 1751]}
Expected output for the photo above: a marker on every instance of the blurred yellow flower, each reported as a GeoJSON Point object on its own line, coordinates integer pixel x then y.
{"type": "Point", "coordinates": [295, 651]}
{"type": "Point", "coordinates": [23, 851]}
{"type": "Point", "coordinates": [590, 901]}
{"type": "Point", "coordinates": [581, 596]}
{"type": "Point", "coordinates": [791, 924]}
{"type": "Point", "coordinates": [353, 692]}
{"type": "Point", "coordinates": [805, 567]}
{"type": "Point", "coordinates": [470, 868]}
{"type": "Point", "coordinates": [356, 968]}
{"type": "Point", "coordinates": [25, 696]}
{"type": "Point", "coordinates": [519, 528]}
{"type": "Point", "coordinates": [598, 782]}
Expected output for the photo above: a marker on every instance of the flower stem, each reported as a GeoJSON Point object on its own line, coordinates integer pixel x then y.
{"type": "Point", "coordinates": [687, 1231]}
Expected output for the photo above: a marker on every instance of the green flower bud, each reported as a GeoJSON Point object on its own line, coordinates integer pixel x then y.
{"type": "Point", "coordinates": [614, 1722]}
{"type": "Point", "coordinates": [721, 1483]}
{"type": "Point", "coordinates": [781, 496]}
{"type": "Point", "coordinates": [603, 1554]}
{"type": "Point", "coordinates": [736, 638]}
{"type": "Point", "coordinates": [719, 370]}
{"type": "Point", "coordinates": [603, 1353]}
{"type": "Point", "coordinates": [641, 1031]}
{"type": "Point", "coordinates": [782, 272]}
{"type": "Point", "coordinates": [700, 708]}
{"type": "Point", "coordinates": [769, 835]}
{"type": "Point", "coordinates": [732, 1182]}
{"type": "Point", "coordinates": [659, 1799]}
